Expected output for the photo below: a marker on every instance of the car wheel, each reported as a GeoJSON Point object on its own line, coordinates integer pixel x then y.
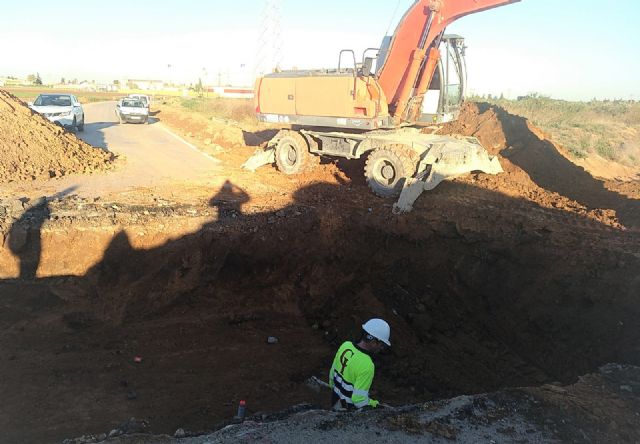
{"type": "Point", "coordinates": [81, 125]}
{"type": "Point", "coordinates": [74, 125]}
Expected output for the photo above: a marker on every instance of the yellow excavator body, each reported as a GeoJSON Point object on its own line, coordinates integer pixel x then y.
{"type": "Point", "coordinates": [318, 99]}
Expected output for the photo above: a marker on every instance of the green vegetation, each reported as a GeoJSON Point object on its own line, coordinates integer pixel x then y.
{"type": "Point", "coordinates": [609, 128]}
{"type": "Point", "coordinates": [29, 94]}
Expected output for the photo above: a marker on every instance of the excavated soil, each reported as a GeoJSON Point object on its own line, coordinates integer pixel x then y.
{"type": "Point", "coordinates": [538, 169]}
{"type": "Point", "coordinates": [492, 281]}
{"type": "Point", "coordinates": [32, 148]}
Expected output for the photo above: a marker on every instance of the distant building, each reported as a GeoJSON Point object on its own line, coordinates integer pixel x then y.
{"type": "Point", "coordinates": [12, 81]}
{"type": "Point", "coordinates": [148, 85]}
{"type": "Point", "coordinates": [107, 87]}
{"type": "Point", "coordinates": [86, 86]}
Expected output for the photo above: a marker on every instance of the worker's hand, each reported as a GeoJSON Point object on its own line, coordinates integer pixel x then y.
{"type": "Point", "coordinates": [373, 403]}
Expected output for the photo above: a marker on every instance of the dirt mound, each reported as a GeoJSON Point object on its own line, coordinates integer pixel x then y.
{"type": "Point", "coordinates": [538, 170]}
{"type": "Point", "coordinates": [34, 148]}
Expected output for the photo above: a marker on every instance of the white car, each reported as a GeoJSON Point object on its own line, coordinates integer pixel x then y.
{"type": "Point", "coordinates": [130, 109]}
{"type": "Point", "coordinates": [62, 109]}
{"type": "Point", "coordinates": [143, 98]}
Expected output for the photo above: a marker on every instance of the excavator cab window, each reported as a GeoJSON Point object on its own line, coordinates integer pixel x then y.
{"type": "Point", "coordinates": [448, 86]}
{"type": "Point", "coordinates": [367, 66]}
{"type": "Point", "coordinates": [369, 57]}
{"type": "Point", "coordinates": [454, 73]}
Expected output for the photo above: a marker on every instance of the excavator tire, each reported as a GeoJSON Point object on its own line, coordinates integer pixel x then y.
{"type": "Point", "coordinates": [388, 167]}
{"type": "Point", "coordinates": [292, 154]}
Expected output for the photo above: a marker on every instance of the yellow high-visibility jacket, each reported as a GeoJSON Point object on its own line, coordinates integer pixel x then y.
{"type": "Point", "coordinates": [351, 376]}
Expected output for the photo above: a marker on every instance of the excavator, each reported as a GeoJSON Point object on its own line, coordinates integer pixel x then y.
{"type": "Point", "coordinates": [376, 108]}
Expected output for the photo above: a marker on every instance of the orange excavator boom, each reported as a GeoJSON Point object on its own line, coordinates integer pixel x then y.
{"type": "Point", "coordinates": [417, 32]}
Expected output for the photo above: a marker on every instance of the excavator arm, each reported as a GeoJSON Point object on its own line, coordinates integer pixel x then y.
{"type": "Point", "coordinates": [409, 64]}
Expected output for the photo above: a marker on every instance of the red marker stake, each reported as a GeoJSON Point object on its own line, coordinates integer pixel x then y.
{"type": "Point", "coordinates": [242, 409]}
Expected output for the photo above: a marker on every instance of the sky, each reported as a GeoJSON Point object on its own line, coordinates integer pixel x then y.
{"type": "Point", "coordinates": [568, 49]}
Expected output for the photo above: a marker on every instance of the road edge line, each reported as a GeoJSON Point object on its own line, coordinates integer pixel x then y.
{"type": "Point", "coordinates": [190, 145]}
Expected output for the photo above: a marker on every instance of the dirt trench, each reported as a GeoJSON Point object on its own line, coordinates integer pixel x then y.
{"type": "Point", "coordinates": [482, 292]}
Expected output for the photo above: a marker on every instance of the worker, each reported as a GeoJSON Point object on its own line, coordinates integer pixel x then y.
{"type": "Point", "coordinates": [352, 371]}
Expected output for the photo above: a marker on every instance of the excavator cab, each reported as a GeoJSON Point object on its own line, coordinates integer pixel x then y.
{"type": "Point", "coordinates": [441, 103]}
{"type": "Point", "coordinates": [447, 90]}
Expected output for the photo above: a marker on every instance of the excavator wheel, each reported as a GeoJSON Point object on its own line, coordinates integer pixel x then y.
{"type": "Point", "coordinates": [292, 154]}
{"type": "Point", "coordinates": [388, 167]}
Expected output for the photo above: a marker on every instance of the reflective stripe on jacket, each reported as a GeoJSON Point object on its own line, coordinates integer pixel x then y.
{"type": "Point", "coordinates": [351, 376]}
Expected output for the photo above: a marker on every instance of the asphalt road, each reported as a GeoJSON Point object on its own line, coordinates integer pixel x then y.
{"type": "Point", "coordinates": [151, 158]}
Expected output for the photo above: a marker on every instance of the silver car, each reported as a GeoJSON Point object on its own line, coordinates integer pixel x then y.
{"type": "Point", "coordinates": [62, 109]}
{"type": "Point", "coordinates": [132, 110]}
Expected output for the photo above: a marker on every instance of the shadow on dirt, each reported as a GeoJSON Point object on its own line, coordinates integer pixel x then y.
{"type": "Point", "coordinates": [351, 168]}
{"type": "Point", "coordinates": [229, 200]}
{"type": "Point", "coordinates": [24, 238]}
{"type": "Point", "coordinates": [477, 299]}
{"type": "Point", "coordinates": [258, 138]}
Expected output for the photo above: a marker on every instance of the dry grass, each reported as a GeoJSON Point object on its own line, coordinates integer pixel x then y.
{"type": "Point", "coordinates": [29, 94]}
{"type": "Point", "coordinates": [610, 129]}
{"type": "Point", "coordinates": [238, 110]}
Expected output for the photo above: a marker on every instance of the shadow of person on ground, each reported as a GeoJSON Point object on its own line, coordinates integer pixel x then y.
{"type": "Point", "coordinates": [25, 234]}
{"type": "Point", "coordinates": [229, 200]}
{"type": "Point", "coordinates": [160, 276]}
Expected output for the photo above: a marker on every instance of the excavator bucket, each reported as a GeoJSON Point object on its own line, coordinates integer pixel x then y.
{"type": "Point", "coordinates": [448, 158]}
{"type": "Point", "coordinates": [262, 156]}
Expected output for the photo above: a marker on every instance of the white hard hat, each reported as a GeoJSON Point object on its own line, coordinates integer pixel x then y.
{"type": "Point", "coordinates": [379, 329]}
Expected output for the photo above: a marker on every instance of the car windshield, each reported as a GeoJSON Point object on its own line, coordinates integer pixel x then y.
{"type": "Point", "coordinates": [132, 104]}
{"type": "Point", "coordinates": [52, 100]}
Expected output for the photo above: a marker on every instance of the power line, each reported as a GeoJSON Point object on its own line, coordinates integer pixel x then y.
{"type": "Point", "coordinates": [270, 41]}
{"type": "Point", "coordinates": [393, 17]}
